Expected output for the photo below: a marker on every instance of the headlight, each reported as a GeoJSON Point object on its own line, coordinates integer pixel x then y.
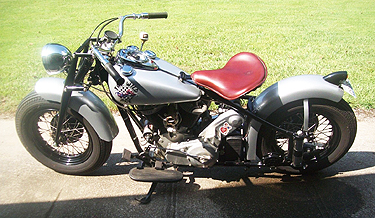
{"type": "Point", "coordinates": [56, 58]}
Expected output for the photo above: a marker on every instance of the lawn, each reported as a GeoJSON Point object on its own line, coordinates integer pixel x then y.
{"type": "Point", "coordinates": [293, 37]}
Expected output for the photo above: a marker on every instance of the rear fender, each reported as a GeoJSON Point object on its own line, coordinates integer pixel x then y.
{"type": "Point", "coordinates": [87, 104]}
{"type": "Point", "coordinates": [284, 92]}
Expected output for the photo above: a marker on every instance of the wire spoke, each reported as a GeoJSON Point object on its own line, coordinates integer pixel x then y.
{"type": "Point", "coordinates": [74, 140]}
{"type": "Point", "coordinates": [320, 130]}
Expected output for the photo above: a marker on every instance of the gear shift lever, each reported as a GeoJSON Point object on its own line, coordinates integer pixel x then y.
{"type": "Point", "coordinates": [144, 37]}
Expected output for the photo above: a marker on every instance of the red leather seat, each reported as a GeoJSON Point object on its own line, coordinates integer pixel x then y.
{"type": "Point", "coordinates": [243, 73]}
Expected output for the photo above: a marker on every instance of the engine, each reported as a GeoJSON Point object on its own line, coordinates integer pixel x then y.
{"type": "Point", "coordinates": [187, 133]}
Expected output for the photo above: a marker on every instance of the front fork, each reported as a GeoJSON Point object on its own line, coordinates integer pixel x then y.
{"type": "Point", "coordinates": [69, 81]}
{"type": "Point", "coordinates": [69, 86]}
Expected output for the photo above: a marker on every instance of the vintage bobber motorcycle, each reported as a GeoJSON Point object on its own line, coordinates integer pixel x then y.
{"type": "Point", "coordinates": [299, 124]}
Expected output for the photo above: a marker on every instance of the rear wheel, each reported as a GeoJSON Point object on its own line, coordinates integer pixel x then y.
{"type": "Point", "coordinates": [332, 129]}
{"type": "Point", "coordinates": [80, 150]}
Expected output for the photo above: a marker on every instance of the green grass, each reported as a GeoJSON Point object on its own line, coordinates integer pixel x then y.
{"type": "Point", "coordinates": [293, 37]}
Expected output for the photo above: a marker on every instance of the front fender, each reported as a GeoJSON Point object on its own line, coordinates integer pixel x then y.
{"type": "Point", "coordinates": [284, 92]}
{"type": "Point", "coordinates": [87, 104]}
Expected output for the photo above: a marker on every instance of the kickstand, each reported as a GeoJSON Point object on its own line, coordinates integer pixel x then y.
{"type": "Point", "coordinates": [147, 199]}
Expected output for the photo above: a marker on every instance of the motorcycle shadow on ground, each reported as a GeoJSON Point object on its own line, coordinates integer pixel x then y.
{"type": "Point", "coordinates": [352, 161]}
{"type": "Point", "coordinates": [242, 192]}
{"type": "Point", "coordinates": [346, 189]}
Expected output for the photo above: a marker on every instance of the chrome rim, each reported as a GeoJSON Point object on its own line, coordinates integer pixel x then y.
{"type": "Point", "coordinates": [74, 146]}
{"type": "Point", "coordinates": [321, 133]}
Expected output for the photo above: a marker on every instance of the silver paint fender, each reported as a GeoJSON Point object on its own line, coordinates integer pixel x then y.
{"type": "Point", "coordinates": [87, 104]}
{"type": "Point", "coordinates": [284, 92]}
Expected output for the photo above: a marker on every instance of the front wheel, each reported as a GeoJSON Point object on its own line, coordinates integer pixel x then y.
{"type": "Point", "coordinates": [80, 150]}
{"type": "Point", "coordinates": [332, 129]}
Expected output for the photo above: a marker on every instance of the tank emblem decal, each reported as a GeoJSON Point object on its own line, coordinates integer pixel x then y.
{"type": "Point", "coordinates": [126, 91]}
{"type": "Point", "coordinates": [225, 128]}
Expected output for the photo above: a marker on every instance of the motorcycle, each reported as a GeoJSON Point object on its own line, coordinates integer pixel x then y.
{"type": "Point", "coordinates": [300, 124]}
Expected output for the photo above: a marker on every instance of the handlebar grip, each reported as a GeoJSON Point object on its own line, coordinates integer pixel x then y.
{"type": "Point", "coordinates": [113, 72]}
{"type": "Point", "coordinates": [158, 15]}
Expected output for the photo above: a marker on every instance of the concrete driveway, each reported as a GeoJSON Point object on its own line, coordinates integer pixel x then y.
{"type": "Point", "coordinates": [28, 189]}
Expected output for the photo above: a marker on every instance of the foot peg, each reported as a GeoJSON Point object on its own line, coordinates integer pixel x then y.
{"type": "Point", "coordinates": [155, 176]}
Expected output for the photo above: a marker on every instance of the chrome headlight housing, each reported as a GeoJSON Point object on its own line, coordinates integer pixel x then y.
{"type": "Point", "coordinates": [56, 58]}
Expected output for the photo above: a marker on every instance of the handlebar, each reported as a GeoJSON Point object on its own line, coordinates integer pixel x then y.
{"type": "Point", "coordinates": [157, 15]}
{"type": "Point", "coordinates": [105, 63]}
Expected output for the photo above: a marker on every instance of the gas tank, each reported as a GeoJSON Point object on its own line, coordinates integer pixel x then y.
{"type": "Point", "coordinates": [152, 87]}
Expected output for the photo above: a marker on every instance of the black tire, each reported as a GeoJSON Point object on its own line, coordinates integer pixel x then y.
{"type": "Point", "coordinates": [334, 128]}
{"type": "Point", "coordinates": [80, 150]}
